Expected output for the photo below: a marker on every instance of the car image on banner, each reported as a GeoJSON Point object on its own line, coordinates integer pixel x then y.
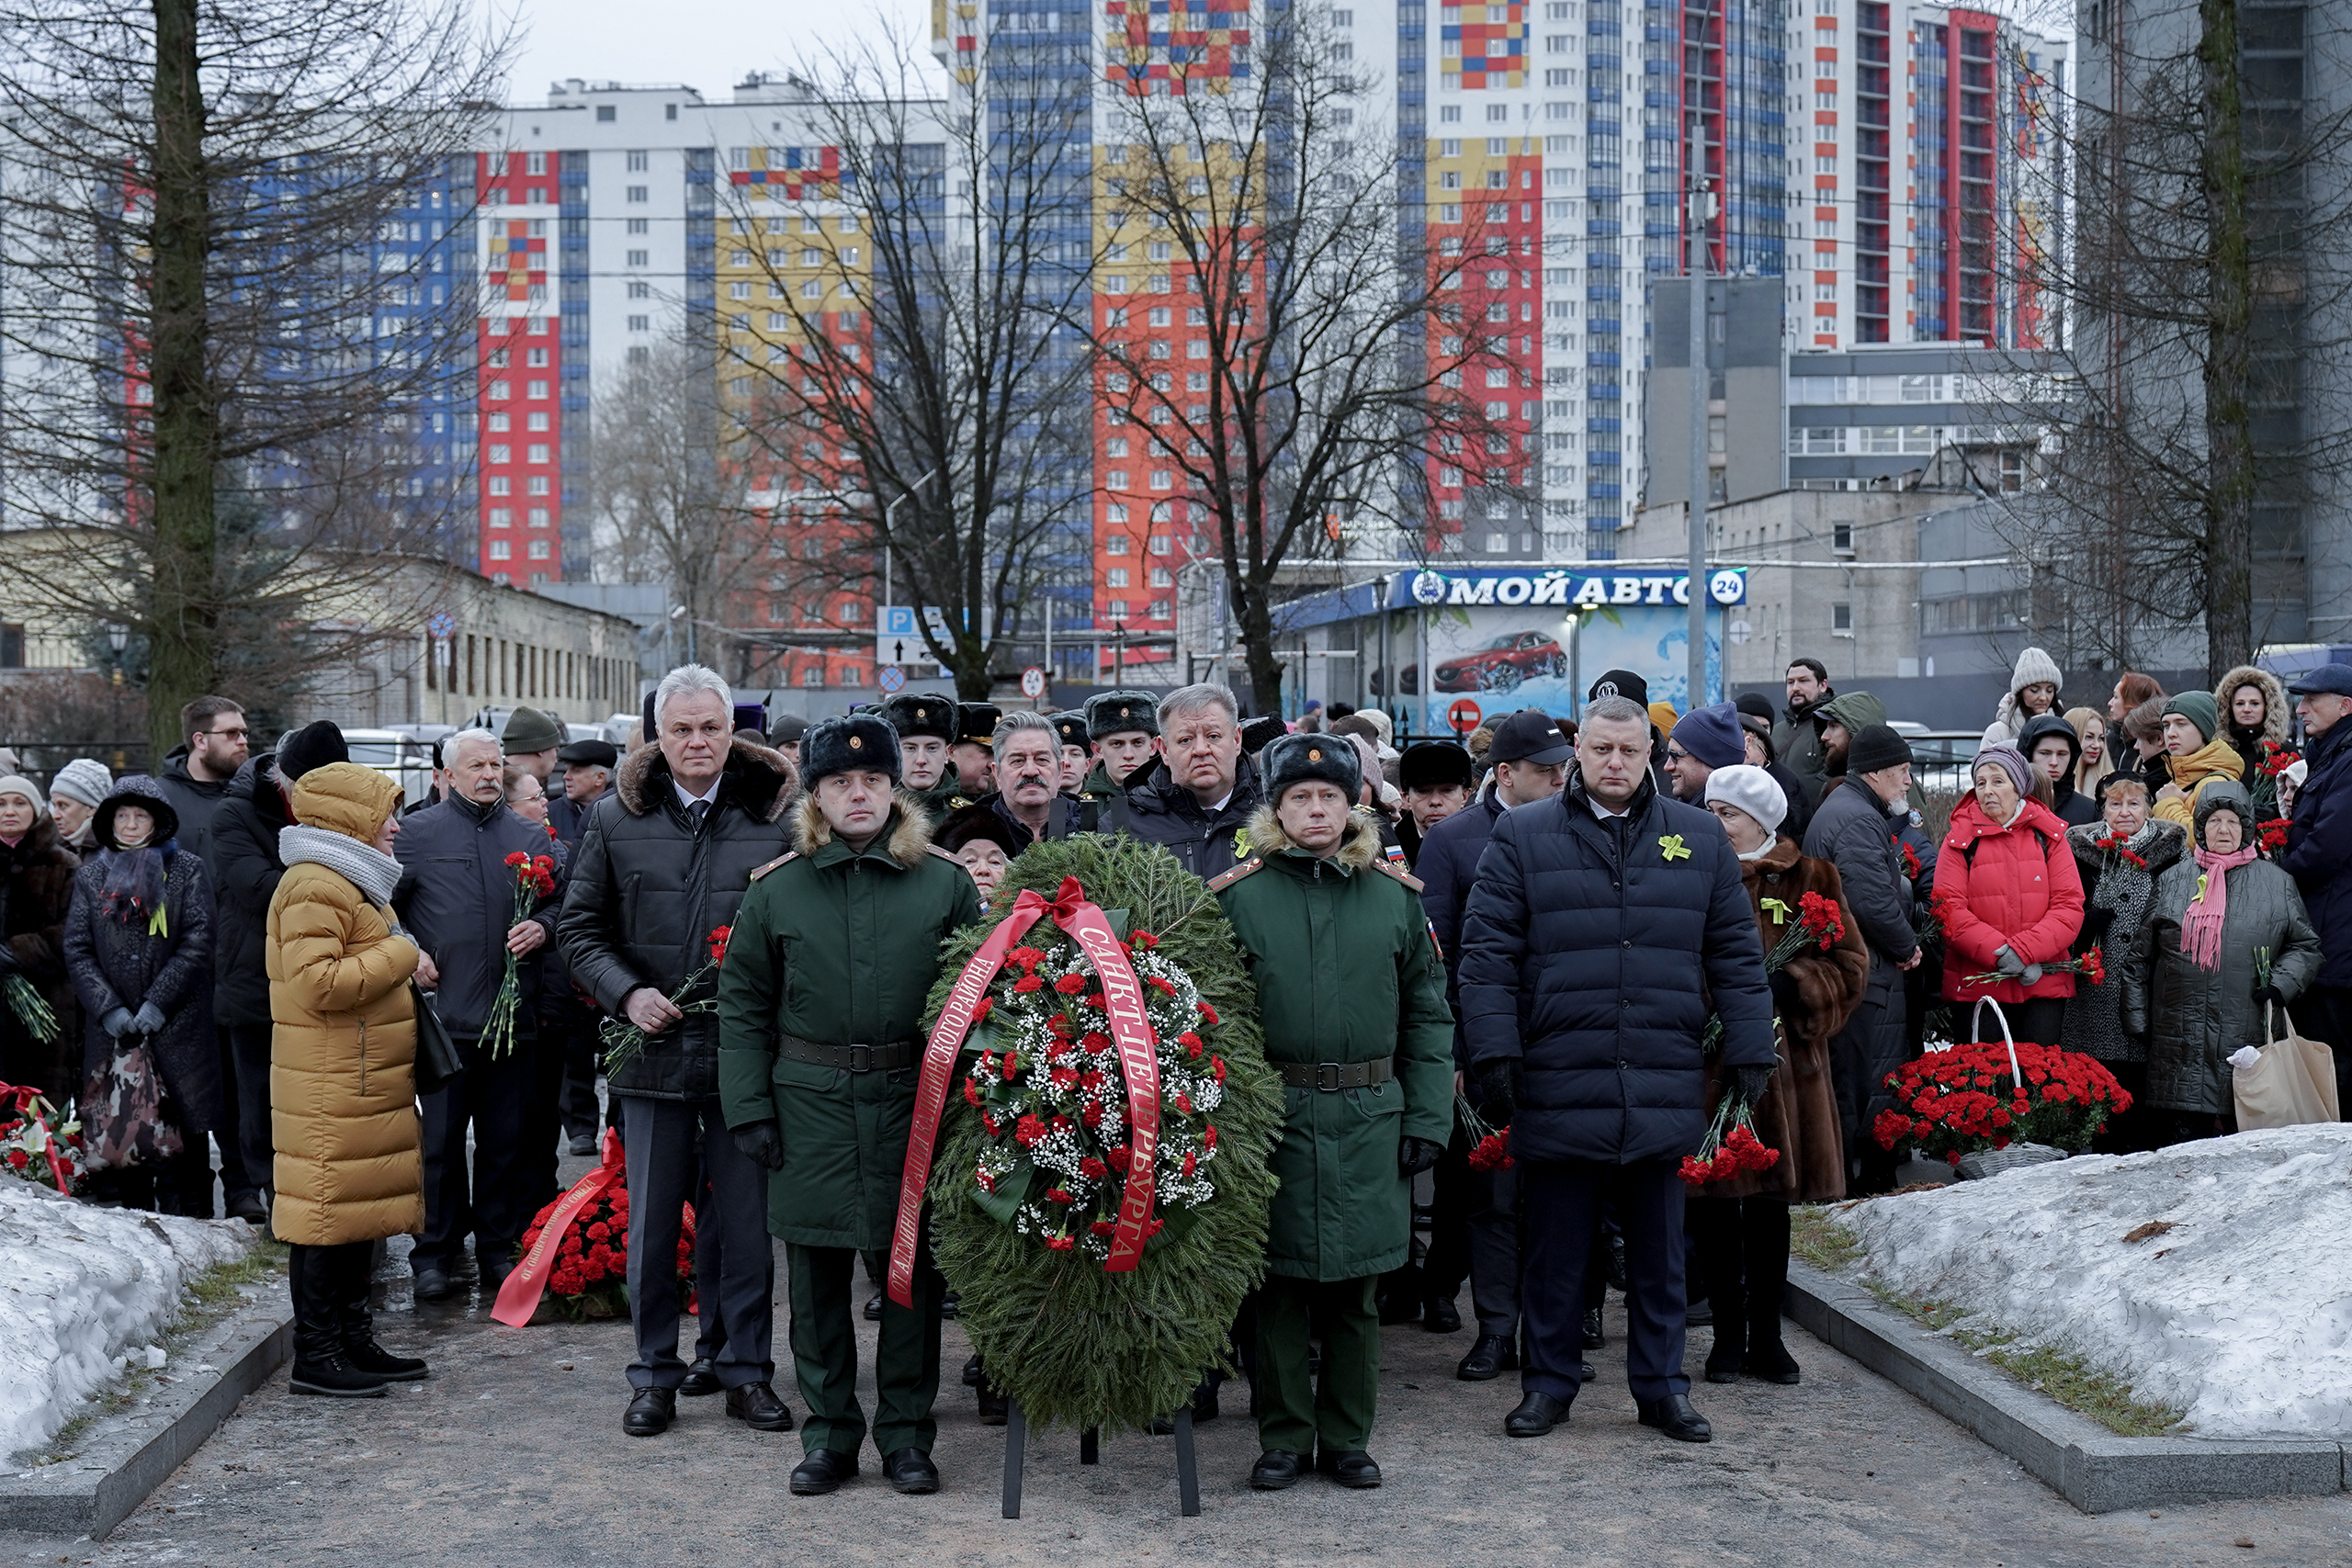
{"type": "Point", "coordinates": [1502, 664]}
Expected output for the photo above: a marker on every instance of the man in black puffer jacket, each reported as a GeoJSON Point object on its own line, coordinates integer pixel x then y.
{"type": "Point", "coordinates": [1605, 926]}
{"type": "Point", "coordinates": [241, 855]}
{"type": "Point", "coordinates": [1200, 793]}
{"type": "Point", "coordinates": [665, 861]}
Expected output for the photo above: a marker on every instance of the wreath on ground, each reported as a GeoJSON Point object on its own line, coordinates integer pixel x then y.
{"type": "Point", "coordinates": [1033, 1150]}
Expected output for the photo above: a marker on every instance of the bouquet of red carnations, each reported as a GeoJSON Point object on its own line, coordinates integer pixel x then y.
{"type": "Point", "coordinates": [1732, 1147]}
{"type": "Point", "coordinates": [1958, 1100]}
{"type": "Point", "coordinates": [1490, 1150]}
{"type": "Point", "coordinates": [534, 880]}
{"type": "Point", "coordinates": [1820, 925]}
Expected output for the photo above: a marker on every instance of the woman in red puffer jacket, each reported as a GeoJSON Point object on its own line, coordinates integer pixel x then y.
{"type": "Point", "coordinates": [2011, 901]}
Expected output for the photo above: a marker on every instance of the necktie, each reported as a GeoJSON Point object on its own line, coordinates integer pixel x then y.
{"type": "Point", "coordinates": [698, 810]}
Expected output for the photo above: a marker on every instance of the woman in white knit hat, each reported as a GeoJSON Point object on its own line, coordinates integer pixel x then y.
{"type": "Point", "coordinates": [2033, 691]}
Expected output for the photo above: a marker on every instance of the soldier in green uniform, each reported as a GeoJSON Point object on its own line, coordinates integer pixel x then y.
{"type": "Point", "coordinates": [1352, 994]}
{"type": "Point", "coordinates": [1077, 751]}
{"type": "Point", "coordinates": [820, 1012]}
{"type": "Point", "coordinates": [926, 725]}
{"type": "Point", "coordinates": [1125, 727]}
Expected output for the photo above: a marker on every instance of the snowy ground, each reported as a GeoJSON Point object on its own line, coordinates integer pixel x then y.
{"type": "Point", "coordinates": [2214, 1276]}
{"type": "Point", "coordinates": [81, 1289]}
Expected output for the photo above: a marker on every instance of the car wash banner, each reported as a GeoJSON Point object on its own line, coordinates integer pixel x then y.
{"type": "Point", "coordinates": [1497, 641]}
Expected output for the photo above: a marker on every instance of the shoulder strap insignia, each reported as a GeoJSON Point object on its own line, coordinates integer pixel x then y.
{"type": "Point", "coordinates": [945, 855]}
{"type": "Point", "coordinates": [787, 855]}
{"type": "Point", "coordinates": [1391, 868]}
{"type": "Point", "coordinates": [1219, 884]}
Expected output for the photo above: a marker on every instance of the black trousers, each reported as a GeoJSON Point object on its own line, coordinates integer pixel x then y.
{"type": "Point", "coordinates": [2041, 1021]}
{"type": "Point", "coordinates": [570, 1024]}
{"type": "Point", "coordinates": [672, 1145]}
{"type": "Point", "coordinates": [249, 1048]}
{"type": "Point", "coordinates": [492, 1096]}
{"type": "Point", "coordinates": [1560, 1213]}
{"type": "Point", "coordinates": [2324, 1012]}
{"type": "Point", "coordinates": [1452, 1198]}
{"type": "Point", "coordinates": [1742, 1253]}
{"type": "Point", "coordinates": [240, 1178]}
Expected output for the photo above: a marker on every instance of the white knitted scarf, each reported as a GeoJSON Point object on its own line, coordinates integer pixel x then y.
{"type": "Point", "coordinates": [365, 866]}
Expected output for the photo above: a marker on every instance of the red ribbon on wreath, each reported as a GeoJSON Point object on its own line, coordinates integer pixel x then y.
{"type": "Point", "coordinates": [21, 1098]}
{"type": "Point", "coordinates": [1122, 1001]}
{"type": "Point", "coordinates": [518, 1298]}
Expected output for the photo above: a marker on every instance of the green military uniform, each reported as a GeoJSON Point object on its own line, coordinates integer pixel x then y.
{"type": "Point", "coordinates": [1350, 987]}
{"type": "Point", "coordinates": [948, 794]}
{"type": "Point", "coordinates": [836, 948]}
{"type": "Point", "coordinates": [1098, 786]}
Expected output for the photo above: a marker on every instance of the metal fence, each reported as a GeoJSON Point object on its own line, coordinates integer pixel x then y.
{"type": "Point", "coordinates": [41, 759]}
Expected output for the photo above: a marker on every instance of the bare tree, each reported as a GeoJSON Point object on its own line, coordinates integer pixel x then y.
{"type": "Point", "coordinates": [900, 376]}
{"type": "Point", "coordinates": [211, 372]}
{"type": "Point", "coordinates": [1339, 358]}
{"type": "Point", "coordinates": [2204, 292]}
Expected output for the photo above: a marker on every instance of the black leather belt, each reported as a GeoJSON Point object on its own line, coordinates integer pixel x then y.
{"type": "Point", "coordinates": [848, 1059]}
{"type": "Point", "coordinates": [1329, 1078]}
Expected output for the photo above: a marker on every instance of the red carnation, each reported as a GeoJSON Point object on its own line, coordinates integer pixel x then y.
{"type": "Point", "coordinates": [1093, 1169]}
{"type": "Point", "coordinates": [1103, 1227]}
{"type": "Point", "coordinates": [1057, 1195]}
{"type": "Point", "coordinates": [1143, 940]}
{"type": "Point", "coordinates": [1028, 982]}
{"type": "Point", "coordinates": [971, 1091]}
{"type": "Point", "coordinates": [1208, 1012]}
{"type": "Point", "coordinates": [1030, 1132]}
{"type": "Point", "coordinates": [1011, 1065]}
{"type": "Point", "coordinates": [1119, 1155]}
{"type": "Point", "coordinates": [1217, 1068]}
{"type": "Point", "coordinates": [1208, 1137]}
{"type": "Point", "coordinates": [518, 858]}
{"type": "Point", "coordinates": [1070, 985]}
{"type": "Point", "coordinates": [1191, 1042]}
{"type": "Point", "coordinates": [1060, 1243]}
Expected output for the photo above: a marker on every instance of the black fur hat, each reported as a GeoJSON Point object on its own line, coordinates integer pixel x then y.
{"type": "Point", "coordinates": [856, 741]}
{"type": "Point", "coordinates": [1260, 733]}
{"type": "Point", "coordinates": [1433, 764]}
{"type": "Point", "coordinates": [1300, 759]}
{"type": "Point", "coordinates": [1111, 713]}
{"type": "Point", "coordinates": [1071, 728]}
{"type": "Point", "coordinates": [922, 713]}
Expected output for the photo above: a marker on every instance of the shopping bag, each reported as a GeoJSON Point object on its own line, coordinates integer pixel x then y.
{"type": "Point", "coordinates": [126, 1118]}
{"type": "Point", "coordinates": [2290, 1081]}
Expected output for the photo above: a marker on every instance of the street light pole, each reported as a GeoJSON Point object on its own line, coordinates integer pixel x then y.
{"type": "Point", "coordinates": [1696, 510]}
{"type": "Point", "coordinates": [890, 511]}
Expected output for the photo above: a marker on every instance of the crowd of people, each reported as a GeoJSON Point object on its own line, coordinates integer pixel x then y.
{"type": "Point", "coordinates": [280, 934]}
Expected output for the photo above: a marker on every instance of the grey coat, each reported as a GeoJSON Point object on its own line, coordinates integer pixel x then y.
{"type": "Point", "coordinates": [2116, 896]}
{"type": "Point", "coordinates": [2194, 1018]}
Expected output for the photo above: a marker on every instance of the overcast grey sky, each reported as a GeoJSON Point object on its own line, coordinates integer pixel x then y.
{"type": "Point", "coordinates": [707, 44]}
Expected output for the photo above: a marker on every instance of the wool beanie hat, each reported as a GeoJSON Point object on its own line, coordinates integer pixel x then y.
{"type": "Point", "coordinates": [1877, 746]}
{"type": "Point", "coordinates": [2012, 761]}
{"type": "Point", "coordinates": [1620, 683]}
{"type": "Point", "coordinates": [1711, 734]}
{"type": "Point", "coordinates": [787, 730]}
{"type": "Point", "coordinates": [2199, 708]}
{"type": "Point", "coordinates": [315, 745]}
{"type": "Point", "coordinates": [1302, 758]}
{"type": "Point", "coordinates": [1754, 704]}
{"type": "Point", "coordinates": [16, 784]}
{"type": "Point", "coordinates": [2034, 667]}
{"type": "Point", "coordinates": [529, 732]}
{"type": "Point", "coordinates": [1751, 789]}
{"type": "Point", "coordinates": [855, 740]}
{"type": "Point", "coordinates": [85, 779]}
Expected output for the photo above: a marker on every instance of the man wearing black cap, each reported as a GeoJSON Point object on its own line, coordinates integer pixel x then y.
{"type": "Point", "coordinates": [1634, 689]}
{"type": "Point", "coordinates": [1855, 830]}
{"type": "Point", "coordinates": [1356, 1025]}
{"type": "Point", "coordinates": [1529, 754]}
{"type": "Point", "coordinates": [1437, 779]}
{"type": "Point", "coordinates": [1077, 751]}
{"type": "Point", "coordinates": [924, 723]}
{"type": "Point", "coordinates": [243, 859]}
{"type": "Point", "coordinates": [1756, 718]}
{"type": "Point", "coordinates": [820, 1006]}
{"type": "Point", "coordinates": [1125, 727]}
{"type": "Point", "coordinates": [587, 776]}
{"type": "Point", "coordinates": [975, 762]}
{"type": "Point", "coordinates": [784, 732]}
{"type": "Point", "coordinates": [2319, 857]}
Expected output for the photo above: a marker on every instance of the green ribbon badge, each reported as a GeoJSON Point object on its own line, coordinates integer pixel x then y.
{"type": "Point", "coordinates": [1670, 848]}
{"type": "Point", "coordinates": [1780, 911]}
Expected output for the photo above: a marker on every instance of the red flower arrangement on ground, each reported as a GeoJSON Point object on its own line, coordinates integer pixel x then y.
{"type": "Point", "coordinates": [589, 1279]}
{"type": "Point", "coordinates": [36, 1145]}
{"type": "Point", "coordinates": [1966, 1099]}
{"type": "Point", "coordinates": [1732, 1147]}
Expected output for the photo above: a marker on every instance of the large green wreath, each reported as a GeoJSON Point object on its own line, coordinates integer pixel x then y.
{"type": "Point", "coordinates": [1077, 1346]}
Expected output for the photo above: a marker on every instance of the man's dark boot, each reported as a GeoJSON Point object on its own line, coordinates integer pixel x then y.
{"type": "Point", "coordinates": [358, 1323]}
{"type": "Point", "coordinates": [756, 1405]}
{"type": "Point", "coordinates": [1490, 1357]}
{"type": "Point", "coordinates": [702, 1378]}
{"type": "Point", "coordinates": [1536, 1413]}
{"type": "Point", "coordinates": [821, 1471]}
{"type": "Point", "coordinates": [321, 1366]}
{"type": "Point", "coordinates": [1276, 1470]}
{"type": "Point", "coordinates": [650, 1412]}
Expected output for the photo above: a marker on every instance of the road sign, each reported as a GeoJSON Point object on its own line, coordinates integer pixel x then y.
{"type": "Point", "coordinates": [1032, 683]}
{"type": "Point", "coordinates": [892, 679]}
{"type": "Point", "coordinates": [1464, 716]}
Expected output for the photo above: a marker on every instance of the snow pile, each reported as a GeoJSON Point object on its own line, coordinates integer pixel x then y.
{"type": "Point", "coordinates": [2212, 1276]}
{"type": "Point", "coordinates": [81, 1286]}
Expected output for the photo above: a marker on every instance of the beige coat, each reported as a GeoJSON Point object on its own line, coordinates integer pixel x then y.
{"type": "Point", "coordinates": [341, 1080]}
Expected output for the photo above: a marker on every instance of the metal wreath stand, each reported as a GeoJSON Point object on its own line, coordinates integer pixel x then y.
{"type": "Point", "coordinates": [1089, 1451]}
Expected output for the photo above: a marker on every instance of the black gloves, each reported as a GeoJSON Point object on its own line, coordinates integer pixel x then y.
{"type": "Point", "coordinates": [8, 963]}
{"type": "Point", "coordinates": [1784, 991]}
{"type": "Point", "coordinates": [1748, 1084]}
{"type": "Point", "coordinates": [2269, 997]}
{"type": "Point", "coordinates": [1415, 1155]}
{"type": "Point", "coordinates": [1498, 1086]}
{"type": "Point", "coordinates": [762, 1145]}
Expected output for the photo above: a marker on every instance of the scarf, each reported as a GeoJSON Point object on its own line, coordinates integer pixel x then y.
{"type": "Point", "coordinates": [130, 883]}
{"type": "Point", "coordinates": [2200, 923]}
{"type": "Point", "coordinates": [365, 866]}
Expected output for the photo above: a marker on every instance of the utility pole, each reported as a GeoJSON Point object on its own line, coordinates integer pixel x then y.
{"type": "Point", "coordinates": [1696, 510]}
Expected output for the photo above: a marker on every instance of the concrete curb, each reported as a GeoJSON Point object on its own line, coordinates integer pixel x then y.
{"type": "Point", "coordinates": [2075, 1457]}
{"type": "Point", "coordinates": [128, 1455]}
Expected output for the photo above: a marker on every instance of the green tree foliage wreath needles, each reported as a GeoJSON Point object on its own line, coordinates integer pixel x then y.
{"type": "Point", "coordinates": [1077, 1347]}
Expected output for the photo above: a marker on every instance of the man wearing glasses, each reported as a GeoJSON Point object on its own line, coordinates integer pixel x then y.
{"type": "Point", "coordinates": [196, 775]}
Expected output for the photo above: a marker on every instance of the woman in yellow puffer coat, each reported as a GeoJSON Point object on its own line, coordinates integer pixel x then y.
{"type": "Point", "coordinates": [342, 1079]}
